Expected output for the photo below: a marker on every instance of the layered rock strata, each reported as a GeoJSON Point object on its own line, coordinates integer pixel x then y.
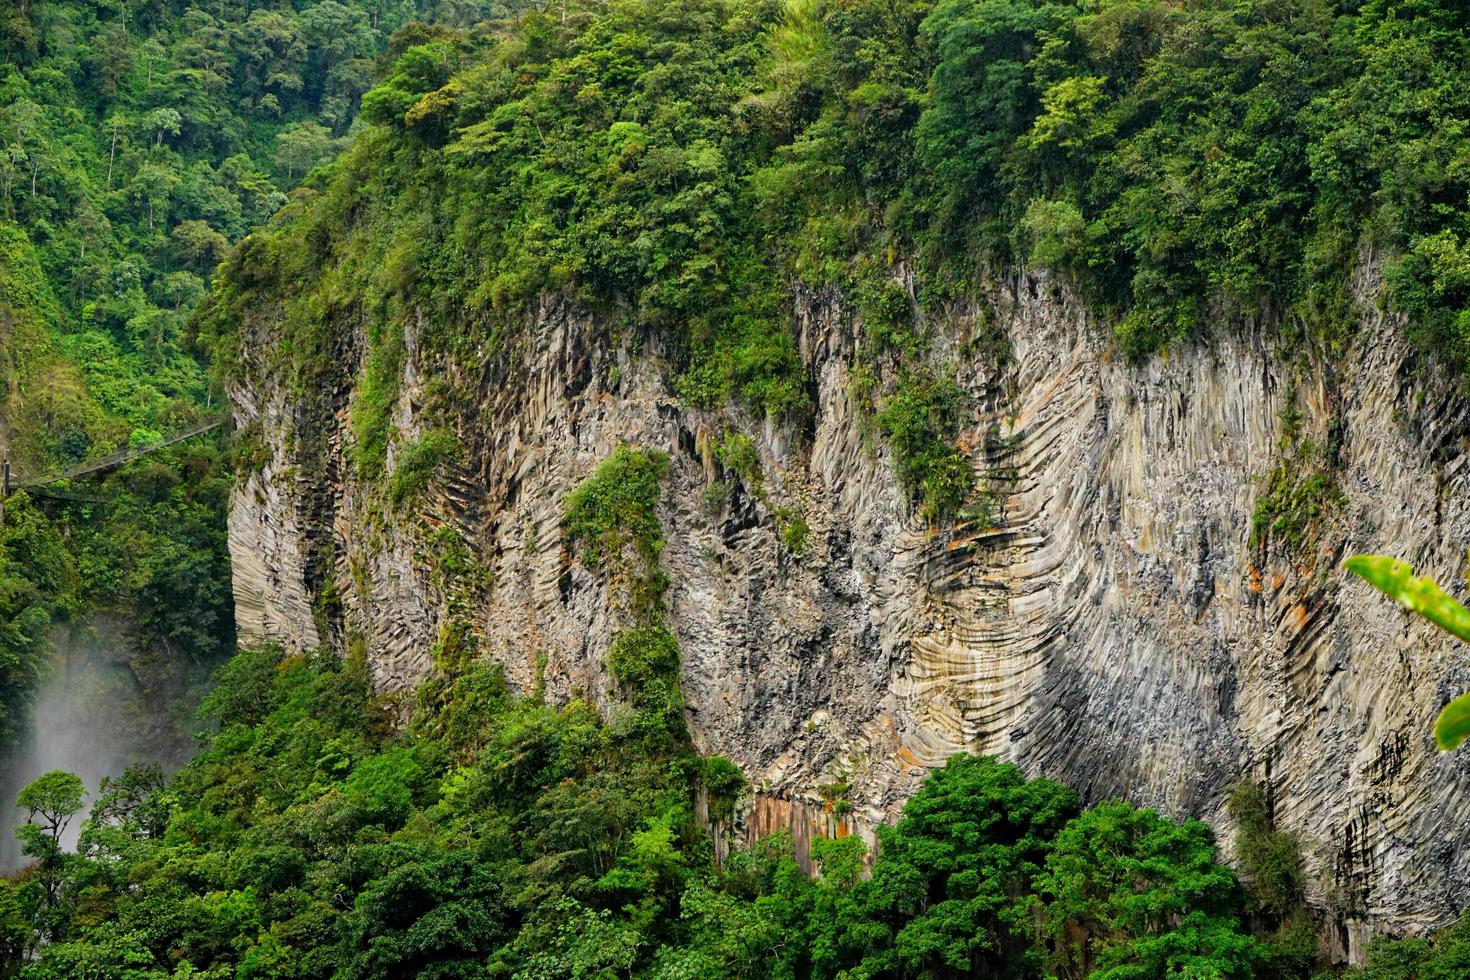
{"type": "Point", "coordinates": [1113, 623]}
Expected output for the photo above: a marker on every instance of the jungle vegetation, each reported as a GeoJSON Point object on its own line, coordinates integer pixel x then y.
{"type": "Point", "coordinates": [686, 170]}
{"type": "Point", "coordinates": [496, 836]}
{"type": "Point", "coordinates": [139, 139]}
{"type": "Point", "coordinates": [312, 837]}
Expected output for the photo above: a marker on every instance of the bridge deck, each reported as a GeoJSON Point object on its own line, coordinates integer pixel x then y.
{"type": "Point", "coordinates": [108, 462]}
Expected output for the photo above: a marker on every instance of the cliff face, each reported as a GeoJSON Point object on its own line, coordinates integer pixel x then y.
{"type": "Point", "coordinates": [1116, 628]}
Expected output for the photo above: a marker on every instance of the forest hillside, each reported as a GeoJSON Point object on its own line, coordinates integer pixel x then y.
{"type": "Point", "coordinates": [738, 488]}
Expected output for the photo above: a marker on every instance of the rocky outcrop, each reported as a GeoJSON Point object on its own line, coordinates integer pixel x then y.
{"type": "Point", "coordinates": [1114, 626]}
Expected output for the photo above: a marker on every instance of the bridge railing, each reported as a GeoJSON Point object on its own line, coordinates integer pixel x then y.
{"type": "Point", "coordinates": [10, 482]}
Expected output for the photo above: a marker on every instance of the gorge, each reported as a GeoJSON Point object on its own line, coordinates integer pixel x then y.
{"type": "Point", "coordinates": [733, 488]}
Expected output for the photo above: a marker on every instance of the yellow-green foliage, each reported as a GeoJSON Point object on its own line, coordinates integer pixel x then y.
{"type": "Point", "coordinates": [373, 401]}
{"type": "Point", "coordinates": [44, 403]}
{"type": "Point", "coordinates": [613, 518]}
{"type": "Point", "coordinates": [887, 316]}
{"type": "Point", "coordinates": [1296, 496]}
{"type": "Point", "coordinates": [1271, 859]}
{"type": "Point", "coordinates": [645, 662]}
{"type": "Point", "coordinates": [418, 461]}
{"type": "Point", "coordinates": [725, 782]}
{"type": "Point", "coordinates": [38, 585]}
{"type": "Point", "coordinates": [737, 452]}
{"type": "Point", "coordinates": [1299, 492]}
{"type": "Point", "coordinates": [921, 418]}
{"type": "Point", "coordinates": [793, 528]}
{"type": "Point", "coordinates": [617, 507]}
{"type": "Point", "coordinates": [613, 513]}
{"type": "Point", "coordinates": [24, 293]}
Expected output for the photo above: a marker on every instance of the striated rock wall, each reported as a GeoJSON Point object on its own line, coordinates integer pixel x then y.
{"type": "Point", "coordinates": [1115, 629]}
{"type": "Point", "coordinates": [805, 822]}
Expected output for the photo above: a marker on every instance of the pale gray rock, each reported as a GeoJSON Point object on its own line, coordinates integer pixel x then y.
{"type": "Point", "coordinates": [1116, 629]}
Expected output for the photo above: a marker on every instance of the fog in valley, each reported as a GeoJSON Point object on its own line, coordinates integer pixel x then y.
{"type": "Point", "coordinates": [101, 708]}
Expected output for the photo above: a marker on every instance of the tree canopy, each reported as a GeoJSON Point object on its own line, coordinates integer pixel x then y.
{"type": "Point", "coordinates": [313, 837]}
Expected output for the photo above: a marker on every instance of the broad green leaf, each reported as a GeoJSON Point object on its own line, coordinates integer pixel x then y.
{"type": "Point", "coordinates": [1421, 595]}
{"type": "Point", "coordinates": [1396, 579]}
{"type": "Point", "coordinates": [1453, 726]}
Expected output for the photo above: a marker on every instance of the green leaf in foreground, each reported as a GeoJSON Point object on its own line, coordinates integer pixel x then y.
{"type": "Point", "coordinates": [1453, 726]}
{"type": "Point", "coordinates": [1420, 595]}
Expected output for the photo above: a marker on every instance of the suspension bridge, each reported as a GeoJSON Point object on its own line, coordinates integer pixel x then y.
{"type": "Point", "coordinates": [10, 482]}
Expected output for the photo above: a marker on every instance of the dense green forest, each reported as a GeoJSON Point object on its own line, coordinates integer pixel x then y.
{"type": "Point", "coordinates": [686, 168]}
{"type": "Point", "coordinates": [499, 837]}
{"type": "Point", "coordinates": [138, 140]}
{"type": "Point", "coordinates": [683, 169]}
